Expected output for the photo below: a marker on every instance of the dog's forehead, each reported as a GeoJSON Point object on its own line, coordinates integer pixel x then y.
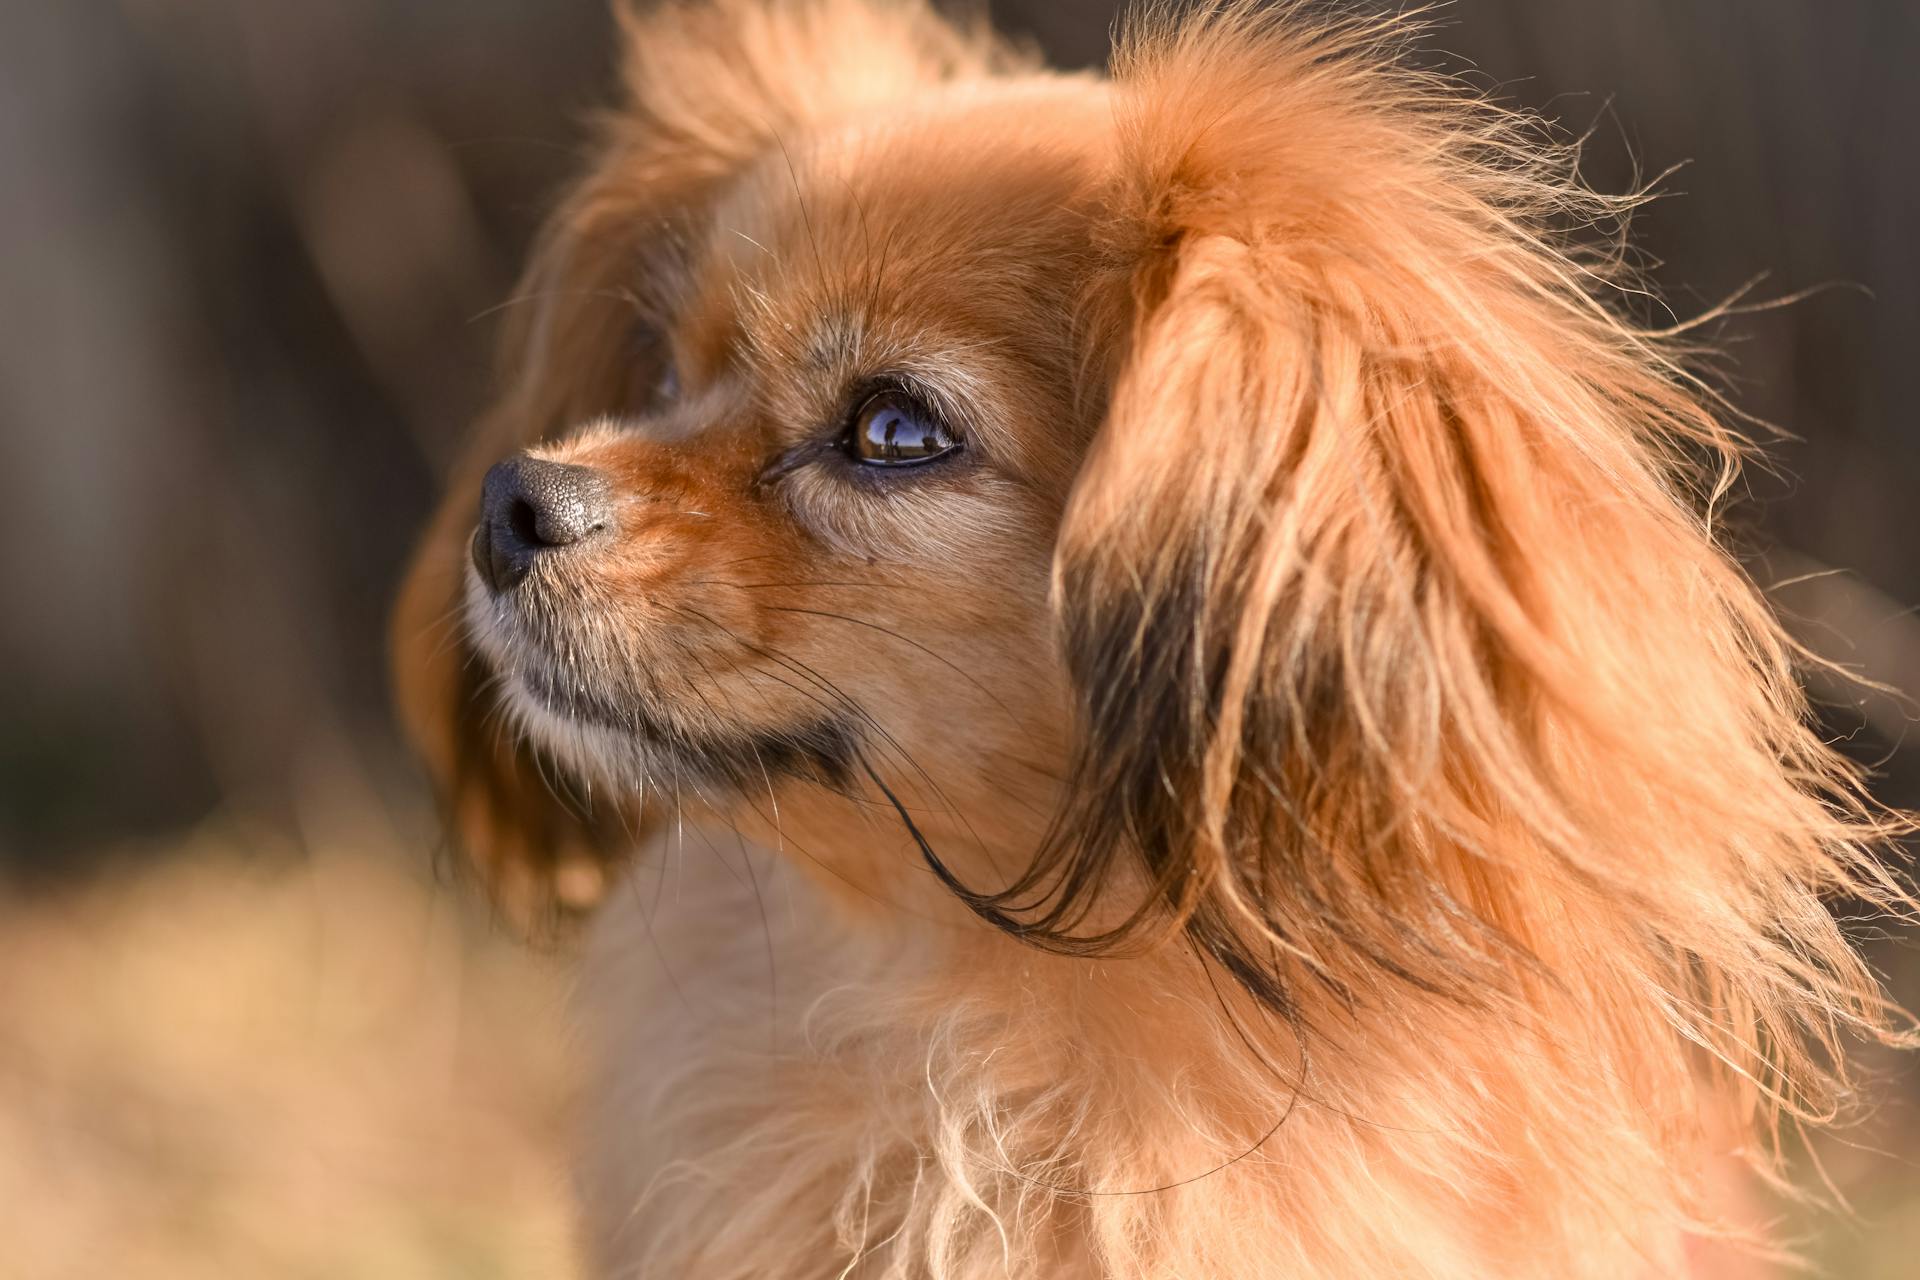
{"type": "Point", "coordinates": [979, 184]}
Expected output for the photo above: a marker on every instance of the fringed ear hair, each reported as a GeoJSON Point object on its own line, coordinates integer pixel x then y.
{"type": "Point", "coordinates": [1407, 664]}
{"type": "Point", "coordinates": [711, 84]}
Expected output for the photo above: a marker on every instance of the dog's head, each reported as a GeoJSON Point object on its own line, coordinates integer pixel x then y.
{"type": "Point", "coordinates": [1217, 499]}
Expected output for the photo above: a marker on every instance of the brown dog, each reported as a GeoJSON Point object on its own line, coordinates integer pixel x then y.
{"type": "Point", "coordinates": [1165, 645]}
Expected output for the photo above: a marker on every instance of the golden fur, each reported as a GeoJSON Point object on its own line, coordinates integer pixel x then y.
{"type": "Point", "coordinates": [1300, 793]}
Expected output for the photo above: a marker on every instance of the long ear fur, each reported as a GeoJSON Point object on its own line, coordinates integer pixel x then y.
{"type": "Point", "coordinates": [709, 87]}
{"type": "Point", "coordinates": [713, 83]}
{"type": "Point", "coordinates": [1408, 663]}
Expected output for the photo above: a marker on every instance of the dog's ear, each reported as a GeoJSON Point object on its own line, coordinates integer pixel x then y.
{"type": "Point", "coordinates": [709, 87]}
{"type": "Point", "coordinates": [713, 84]}
{"type": "Point", "coordinates": [1405, 655]}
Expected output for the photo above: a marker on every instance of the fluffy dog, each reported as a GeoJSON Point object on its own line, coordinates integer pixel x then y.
{"type": "Point", "coordinates": [1162, 646]}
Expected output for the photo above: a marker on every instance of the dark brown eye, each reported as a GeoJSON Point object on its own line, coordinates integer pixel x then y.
{"type": "Point", "coordinates": [892, 429]}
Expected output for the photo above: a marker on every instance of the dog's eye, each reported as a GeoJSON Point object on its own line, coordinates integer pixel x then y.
{"type": "Point", "coordinates": [892, 429]}
{"type": "Point", "coordinates": [652, 376]}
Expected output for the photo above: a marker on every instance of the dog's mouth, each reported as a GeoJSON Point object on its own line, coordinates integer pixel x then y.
{"type": "Point", "coordinates": [577, 704]}
{"type": "Point", "coordinates": [632, 735]}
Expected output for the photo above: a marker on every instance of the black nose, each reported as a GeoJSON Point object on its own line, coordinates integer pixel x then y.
{"type": "Point", "coordinates": [528, 507]}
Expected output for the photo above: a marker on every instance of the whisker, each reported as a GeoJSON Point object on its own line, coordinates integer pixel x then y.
{"type": "Point", "coordinates": [541, 295]}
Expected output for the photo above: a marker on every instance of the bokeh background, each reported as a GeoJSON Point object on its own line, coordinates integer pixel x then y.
{"type": "Point", "coordinates": [252, 257]}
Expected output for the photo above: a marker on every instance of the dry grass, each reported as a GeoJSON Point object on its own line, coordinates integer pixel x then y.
{"type": "Point", "coordinates": [266, 1057]}
{"type": "Point", "coordinates": [253, 1060]}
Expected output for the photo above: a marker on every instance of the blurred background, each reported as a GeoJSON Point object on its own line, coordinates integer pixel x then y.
{"type": "Point", "coordinates": [252, 257]}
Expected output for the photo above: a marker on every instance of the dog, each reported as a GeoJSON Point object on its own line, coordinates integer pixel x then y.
{"type": "Point", "coordinates": [1135, 676]}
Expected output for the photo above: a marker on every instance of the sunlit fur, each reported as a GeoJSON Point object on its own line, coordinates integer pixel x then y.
{"type": "Point", "coordinates": [1302, 794]}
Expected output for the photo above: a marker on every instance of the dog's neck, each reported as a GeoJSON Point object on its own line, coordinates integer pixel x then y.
{"type": "Point", "coordinates": [776, 1084]}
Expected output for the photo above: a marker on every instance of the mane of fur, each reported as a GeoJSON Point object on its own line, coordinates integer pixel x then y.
{"type": "Point", "coordinates": [927, 1105]}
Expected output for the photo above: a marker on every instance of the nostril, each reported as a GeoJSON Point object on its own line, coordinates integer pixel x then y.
{"type": "Point", "coordinates": [524, 523]}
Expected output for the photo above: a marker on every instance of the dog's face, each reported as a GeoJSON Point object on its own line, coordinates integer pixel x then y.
{"type": "Point", "coordinates": [1211, 498]}
{"type": "Point", "coordinates": [813, 541]}
{"type": "Point", "coordinates": [762, 532]}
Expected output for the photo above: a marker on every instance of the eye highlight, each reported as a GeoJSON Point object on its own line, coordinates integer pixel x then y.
{"type": "Point", "coordinates": [894, 429]}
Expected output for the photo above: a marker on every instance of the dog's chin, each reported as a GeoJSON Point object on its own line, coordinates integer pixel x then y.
{"type": "Point", "coordinates": [632, 743]}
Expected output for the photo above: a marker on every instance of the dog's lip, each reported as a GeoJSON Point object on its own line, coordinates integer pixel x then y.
{"type": "Point", "coordinates": [823, 749]}
{"type": "Point", "coordinates": [578, 702]}
{"type": "Point", "coordinates": [500, 637]}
